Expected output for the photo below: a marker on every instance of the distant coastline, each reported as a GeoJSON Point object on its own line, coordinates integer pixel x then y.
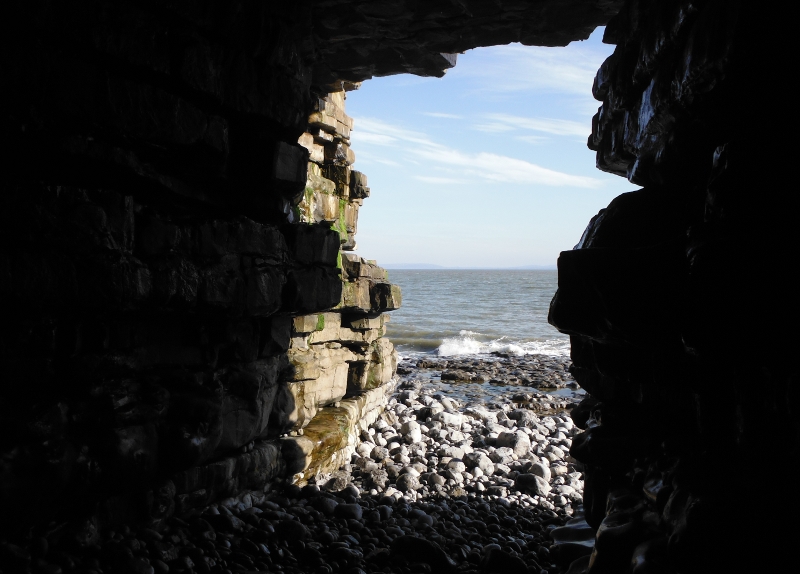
{"type": "Point", "coordinates": [432, 267]}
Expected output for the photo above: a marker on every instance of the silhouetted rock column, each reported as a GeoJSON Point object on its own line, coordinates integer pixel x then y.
{"type": "Point", "coordinates": [678, 298]}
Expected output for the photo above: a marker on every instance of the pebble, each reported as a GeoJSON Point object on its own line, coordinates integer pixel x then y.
{"type": "Point", "coordinates": [348, 511]}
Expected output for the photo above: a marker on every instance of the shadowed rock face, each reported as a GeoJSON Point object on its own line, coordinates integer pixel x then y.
{"type": "Point", "coordinates": [177, 306]}
{"type": "Point", "coordinates": [675, 298]}
{"type": "Point", "coordinates": [362, 39]}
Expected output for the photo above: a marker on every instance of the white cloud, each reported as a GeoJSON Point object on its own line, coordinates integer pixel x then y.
{"type": "Point", "coordinates": [494, 127]}
{"type": "Point", "coordinates": [366, 157]}
{"type": "Point", "coordinates": [499, 168]}
{"type": "Point", "coordinates": [442, 115]}
{"type": "Point", "coordinates": [515, 68]}
{"type": "Point", "coordinates": [531, 139]}
{"type": "Point", "coordinates": [546, 125]}
{"type": "Point", "coordinates": [377, 127]}
{"type": "Point", "coordinates": [375, 138]}
{"type": "Point", "coordinates": [481, 166]}
{"type": "Point", "coordinates": [387, 162]}
{"type": "Point", "coordinates": [441, 180]}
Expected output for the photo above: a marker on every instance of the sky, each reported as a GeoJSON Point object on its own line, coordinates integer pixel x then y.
{"type": "Point", "coordinates": [485, 167]}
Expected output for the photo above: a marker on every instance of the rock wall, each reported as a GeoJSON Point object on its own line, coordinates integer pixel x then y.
{"type": "Point", "coordinates": [677, 300]}
{"type": "Point", "coordinates": [183, 318]}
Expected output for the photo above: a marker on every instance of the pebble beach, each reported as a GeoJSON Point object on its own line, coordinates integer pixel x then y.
{"type": "Point", "coordinates": [467, 470]}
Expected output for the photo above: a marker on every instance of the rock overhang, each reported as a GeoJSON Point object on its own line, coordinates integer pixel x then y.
{"type": "Point", "coordinates": [355, 41]}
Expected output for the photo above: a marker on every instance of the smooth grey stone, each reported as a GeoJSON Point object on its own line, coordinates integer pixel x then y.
{"type": "Point", "coordinates": [524, 418]}
{"type": "Point", "coordinates": [437, 479]}
{"type": "Point", "coordinates": [542, 470]}
{"type": "Point", "coordinates": [504, 455]}
{"type": "Point", "coordinates": [422, 550]}
{"type": "Point", "coordinates": [393, 471]}
{"type": "Point", "coordinates": [379, 453]}
{"type": "Point", "coordinates": [456, 466]}
{"type": "Point", "coordinates": [479, 460]}
{"type": "Point", "coordinates": [410, 470]}
{"type": "Point", "coordinates": [564, 489]}
{"type": "Point", "coordinates": [498, 560]}
{"type": "Point", "coordinates": [324, 505]}
{"type": "Point", "coordinates": [532, 484]}
{"type": "Point", "coordinates": [353, 511]}
{"type": "Point", "coordinates": [407, 483]}
{"type": "Point", "coordinates": [518, 442]}
{"type": "Point", "coordinates": [500, 491]}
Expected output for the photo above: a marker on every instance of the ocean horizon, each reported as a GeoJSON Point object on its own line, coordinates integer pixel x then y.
{"type": "Point", "coordinates": [433, 267]}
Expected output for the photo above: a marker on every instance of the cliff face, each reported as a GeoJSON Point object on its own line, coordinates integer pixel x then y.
{"type": "Point", "coordinates": [182, 319]}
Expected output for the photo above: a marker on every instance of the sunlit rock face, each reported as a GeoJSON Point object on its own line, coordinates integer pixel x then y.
{"type": "Point", "coordinates": [678, 299]}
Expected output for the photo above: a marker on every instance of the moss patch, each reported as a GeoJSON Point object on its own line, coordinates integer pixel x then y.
{"type": "Point", "coordinates": [320, 322]}
{"type": "Point", "coordinates": [340, 225]}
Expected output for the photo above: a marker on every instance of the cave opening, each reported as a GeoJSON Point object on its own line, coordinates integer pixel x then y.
{"type": "Point", "coordinates": [484, 168]}
{"type": "Point", "coordinates": [188, 338]}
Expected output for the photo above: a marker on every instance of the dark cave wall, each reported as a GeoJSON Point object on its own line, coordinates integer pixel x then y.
{"type": "Point", "coordinates": [678, 297]}
{"type": "Point", "coordinates": [155, 271]}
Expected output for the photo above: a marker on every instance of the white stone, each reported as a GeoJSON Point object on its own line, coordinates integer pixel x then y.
{"type": "Point", "coordinates": [541, 470]}
{"type": "Point", "coordinates": [450, 419]}
{"type": "Point", "coordinates": [532, 484]}
{"type": "Point", "coordinates": [365, 448]}
{"type": "Point", "coordinates": [410, 470]}
{"type": "Point", "coordinates": [456, 466]}
{"type": "Point", "coordinates": [517, 441]}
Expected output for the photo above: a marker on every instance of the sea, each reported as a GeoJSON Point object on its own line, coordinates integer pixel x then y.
{"type": "Point", "coordinates": [475, 312]}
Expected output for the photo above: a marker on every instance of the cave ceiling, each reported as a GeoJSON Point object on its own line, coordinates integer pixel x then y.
{"type": "Point", "coordinates": [358, 39]}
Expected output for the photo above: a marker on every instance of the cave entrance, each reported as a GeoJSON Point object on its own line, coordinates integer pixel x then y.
{"type": "Point", "coordinates": [484, 169]}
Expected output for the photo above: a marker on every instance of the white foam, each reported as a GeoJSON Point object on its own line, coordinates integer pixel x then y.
{"type": "Point", "coordinates": [467, 344]}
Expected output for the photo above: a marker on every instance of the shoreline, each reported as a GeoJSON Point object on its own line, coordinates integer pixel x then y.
{"type": "Point", "coordinates": [470, 410]}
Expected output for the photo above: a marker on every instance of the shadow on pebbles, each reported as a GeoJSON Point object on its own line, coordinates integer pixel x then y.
{"type": "Point", "coordinates": [452, 477]}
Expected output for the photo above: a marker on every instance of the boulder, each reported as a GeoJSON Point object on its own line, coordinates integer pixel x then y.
{"type": "Point", "coordinates": [532, 484]}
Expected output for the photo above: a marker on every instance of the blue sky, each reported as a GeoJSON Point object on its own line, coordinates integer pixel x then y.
{"type": "Point", "coordinates": [486, 167]}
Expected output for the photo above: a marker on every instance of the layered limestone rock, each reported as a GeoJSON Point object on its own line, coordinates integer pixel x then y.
{"type": "Point", "coordinates": [342, 365]}
{"type": "Point", "coordinates": [329, 196]}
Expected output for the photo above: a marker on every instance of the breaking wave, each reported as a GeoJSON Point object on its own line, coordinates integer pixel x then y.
{"type": "Point", "coordinates": [471, 343]}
